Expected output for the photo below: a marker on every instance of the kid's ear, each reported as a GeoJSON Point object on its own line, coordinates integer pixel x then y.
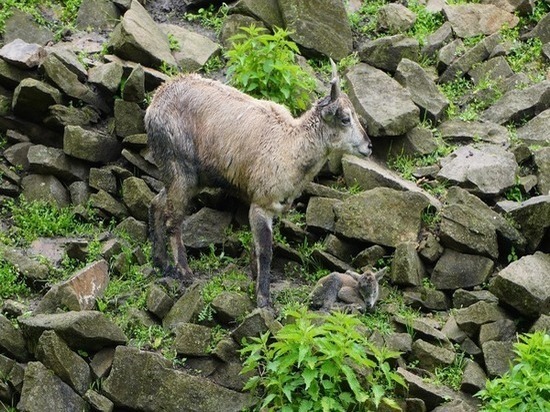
{"type": "Point", "coordinates": [380, 274]}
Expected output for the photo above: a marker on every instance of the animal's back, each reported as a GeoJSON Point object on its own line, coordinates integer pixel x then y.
{"type": "Point", "coordinates": [227, 135]}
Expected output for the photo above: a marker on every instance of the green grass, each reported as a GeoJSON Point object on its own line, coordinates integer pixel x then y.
{"type": "Point", "coordinates": [11, 284]}
{"type": "Point", "coordinates": [209, 17]}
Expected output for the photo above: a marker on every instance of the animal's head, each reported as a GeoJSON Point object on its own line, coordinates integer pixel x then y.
{"type": "Point", "coordinates": [348, 134]}
{"type": "Point", "coordinates": [369, 288]}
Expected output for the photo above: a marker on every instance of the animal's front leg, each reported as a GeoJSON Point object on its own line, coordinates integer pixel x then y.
{"type": "Point", "coordinates": [261, 223]}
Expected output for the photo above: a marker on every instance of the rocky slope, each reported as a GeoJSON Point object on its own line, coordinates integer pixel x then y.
{"type": "Point", "coordinates": [72, 113]}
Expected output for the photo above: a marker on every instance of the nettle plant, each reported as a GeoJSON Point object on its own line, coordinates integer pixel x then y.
{"type": "Point", "coordinates": [526, 386]}
{"type": "Point", "coordinates": [320, 362]}
{"type": "Point", "coordinates": [263, 65]}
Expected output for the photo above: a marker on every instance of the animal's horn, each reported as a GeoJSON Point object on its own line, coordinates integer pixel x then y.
{"type": "Point", "coordinates": [335, 82]}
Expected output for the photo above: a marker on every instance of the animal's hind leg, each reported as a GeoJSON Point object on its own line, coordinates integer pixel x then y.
{"type": "Point", "coordinates": [261, 225]}
{"type": "Point", "coordinates": [157, 230]}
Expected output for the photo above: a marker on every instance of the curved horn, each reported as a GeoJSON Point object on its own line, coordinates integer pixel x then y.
{"type": "Point", "coordinates": [335, 82]}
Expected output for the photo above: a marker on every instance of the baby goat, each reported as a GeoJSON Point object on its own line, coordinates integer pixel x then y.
{"type": "Point", "coordinates": [349, 290]}
{"type": "Point", "coordinates": [203, 133]}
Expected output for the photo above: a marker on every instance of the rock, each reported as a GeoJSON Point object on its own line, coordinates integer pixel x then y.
{"type": "Point", "coordinates": [401, 342]}
{"type": "Point", "coordinates": [231, 306]}
{"type": "Point", "coordinates": [369, 174]}
{"type": "Point", "coordinates": [424, 92]}
{"type": "Point", "coordinates": [524, 284]}
{"type": "Point", "coordinates": [320, 213]}
{"type": "Point", "coordinates": [70, 61]}
{"type": "Point", "coordinates": [82, 330]}
{"type": "Point", "coordinates": [158, 301]}
{"type": "Point", "coordinates": [61, 116]}
{"type": "Point", "coordinates": [137, 197]}
{"type": "Point", "coordinates": [418, 141]}
{"type": "Point", "coordinates": [266, 11]}
{"type": "Point", "coordinates": [64, 77]}
{"type": "Point", "coordinates": [470, 20]}
{"type": "Point", "coordinates": [28, 266]}
{"type": "Point", "coordinates": [541, 30]}
{"type": "Point", "coordinates": [44, 391]}
{"type": "Point", "coordinates": [469, 166]}
{"type": "Point", "coordinates": [452, 331]}
{"type": "Point", "coordinates": [426, 298]}
{"type": "Point", "coordinates": [32, 99]}
{"type": "Point", "coordinates": [97, 14]}
{"type": "Point", "coordinates": [233, 22]}
{"type": "Point", "coordinates": [369, 257]}
{"type": "Point", "coordinates": [194, 49]}
{"type": "Point", "coordinates": [80, 292]}
{"type": "Point", "coordinates": [532, 216]}
{"type": "Point", "coordinates": [429, 247]}
{"type": "Point", "coordinates": [16, 154]}
{"type": "Point", "coordinates": [456, 270]}
{"type": "Point", "coordinates": [22, 54]}
{"type": "Point", "coordinates": [186, 308]}
{"type": "Point", "coordinates": [431, 356]}
{"type": "Point", "coordinates": [101, 362]}
{"type": "Point", "coordinates": [423, 329]}
{"type": "Point", "coordinates": [382, 216]}
{"type": "Point", "coordinates": [464, 298]}
{"type": "Point", "coordinates": [520, 104]}
{"type": "Point", "coordinates": [473, 377]}
{"type": "Point", "coordinates": [321, 26]}
{"type": "Point", "coordinates": [191, 339]}
{"type": "Point", "coordinates": [54, 354]}
{"type": "Point", "coordinates": [464, 63]}
{"type": "Point", "coordinates": [22, 25]}
{"type": "Point", "coordinates": [501, 330]}
{"type": "Point", "coordinates": [461, 131]}
{"type": "Point", "coordinates": [108, 204]}
{"type": "Point", "coordinates": [138, 38]}
{"type": "Point", "coordinates": [10, 77]}
{"type": "Point", "coordinates": [45, 188]}
{"type": "Point", "coordinates": [206, 227]}
{"type": "Point", "coordinates": [49, 160]}
{"type": "Point", "coordinates": [90, 145]}
{"type": "Point", "coordinates": [103, 179]}
{"type": "Point", "coordinates": [406, 267]}
{"type": "Point", "coordinates": [129, 386]}
{"type": "Point", "coordinates": [542, 324]}
{"type": "Point", "coordinates": [437, 39]}
{"type": "Point", "coordinates": [259, 321]}
{"type": "Point", "coordinates": [393, 116]}
{"type": "Point", "coordinates": [496, 70]}
{"type": "Point", "coordinates": [471, 318]}
{"type": "Point", "coordinates": [98, 402]}
{"type": "Point", "coordinates": [106, 76]}
{"type": "Point", "coordinates": [128, 118]}
{"type": "Point", "coordinates": [136, 229]}
{"type": "Point", "coordinates": [134, 88]}
{"type": "Point", "coordinates": [541, 159]}
{"type": "Point", "coordinates": [534, 131]}
{"type": "Point", "coordinates": [229, 376]}
{"type": "Point", "coordinates": [386, 52]}
{"type": "Point", "coordinates": [11, 340]}
{"type": "Point", "coordinates": [433, 395]}
{"type": "Point", "coordinates": [395, 18]}
{"type": "Point", "coordinates": [497, 357]}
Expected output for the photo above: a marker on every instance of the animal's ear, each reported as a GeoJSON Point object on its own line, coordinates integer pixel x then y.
{"type": "Point", "coordinates": [334, 83]}
{"type": "Point", "coordinates": [380, 274]}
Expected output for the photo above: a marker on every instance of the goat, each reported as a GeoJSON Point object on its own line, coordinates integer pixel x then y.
{"type": "Point", "coordinates": [357, 292]}
{"type": "Point", "coordinates": [203, 133]}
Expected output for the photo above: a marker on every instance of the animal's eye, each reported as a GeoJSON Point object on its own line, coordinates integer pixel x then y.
{"type": "Point", "coordinates": [346, 121]}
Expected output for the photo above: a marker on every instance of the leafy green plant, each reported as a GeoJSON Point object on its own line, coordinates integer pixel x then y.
{"type": "Point", "coordinates": [426, 22]}
{"type": "Point", "coordinates": [174, 43]}
{"type": "Point", "coordinates": [320, 363]}
{"type": "Point", "coordinates": [209, 17]}
{"type": "Point", "coordinates": [11, 283]}
{"type": "Point", "coordinates": [263, 65]}
{"type": "Point", "coordinates": [451, 376]}
{"type": "Point", "coordinates": [168, 69]}
{"type": "Point", "coordinates": [526, 386]}
{"type": "Point", "coordinates": [365, 20]}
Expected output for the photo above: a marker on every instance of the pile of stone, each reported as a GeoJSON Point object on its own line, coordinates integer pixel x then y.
{"type": "Point", "coordinates": [73, 119]}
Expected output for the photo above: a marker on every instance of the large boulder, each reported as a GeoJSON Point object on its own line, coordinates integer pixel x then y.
{"type": "Point", "coordinates": [461, 131]}
{"type": "Point", "coordinates": [386, 52]}
{"type": "Point", "coordinates": [146, 381]}
{"type": "Point", "coordinates": [49, 160]}
{"type": "Point", "coordinates": [22, 25]}
{"type": "Point", "coordinates": [384, 104]}
{"type": "Point", "coordinates": [39, 187]}
{"type": "Point", "coordinates": [97, 14]}
{"type": "Point", "coordinates": [22, 54]}
{"type": "Point", "coordinates": [470, 20]}
{"type": "Point", "coordinates": [424, 92]}
{"type": "Point", "coordinates": [320, 26]}
{"type": "Point", "coordinates": [383, 216]}
{"type": "Point", "coordinates": [535, 131]}
{"type": "Point", "coordinates": [525, 285]}
{"type": "Point", "coordinates": [137, 197]}
{"type": "Point", "coordinates": [11, 340]}
{"type": "Point", "coordinates": [487, 170]}
{"type": "Point", "coordinates": [458, 270]}
{"type": "Point", "coordinates": [32, 99]}
{"type": "Point", "coordinates": [90, 145]}
{"type": "Point", "coordinates": [138, 38]}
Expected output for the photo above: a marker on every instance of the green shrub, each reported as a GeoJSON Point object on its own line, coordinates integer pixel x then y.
{"type": "Point", "coordinates": [320, 363]}
{"type": "Point", "coordinates": [263, 65]}
{"type": "Point", "coordinates": [11, 284]}
{"type": "Point", "coordinates": [526, 386]}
